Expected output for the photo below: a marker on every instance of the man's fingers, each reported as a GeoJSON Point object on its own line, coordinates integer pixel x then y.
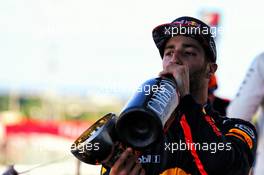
{"type": "Point", "coordinates": [124, 156]}
{"type": "Point", "coordinates": [164, 73]}
{"type": "Point", "coordinates": [136, 169]}
{"type": "Point", "coordinates": [130, 162]}
{"type": "Point", "coordinates": [142, 172]}
{"type": "Point", "coordinates": [127, 165]}
{"type": "Point", "coordinates": [171, 70]}
{"type": "Point", "coordinates": [121, 161]}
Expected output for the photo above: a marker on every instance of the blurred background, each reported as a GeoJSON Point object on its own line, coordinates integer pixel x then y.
{"type": "Point", "coordinates": [65, 63]}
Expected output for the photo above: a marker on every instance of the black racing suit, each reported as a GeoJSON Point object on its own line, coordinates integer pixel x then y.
{"type": "Point", "coordinates": [199, 141]}
{"type": "Point", "coordinates": [219, 104]}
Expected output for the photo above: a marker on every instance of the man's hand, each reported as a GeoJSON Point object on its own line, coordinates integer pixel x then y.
{"type": "Point", "coordinates": [180, 73]}
{"type": "Point", "coordinates": [127, 164]}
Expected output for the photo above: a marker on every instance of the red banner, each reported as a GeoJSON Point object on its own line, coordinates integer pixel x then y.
{"type": "Point", "coordinates": [68, 129]}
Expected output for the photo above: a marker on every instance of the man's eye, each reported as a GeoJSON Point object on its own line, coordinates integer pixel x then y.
{"type": "Point", "coordinates": [169, 53]}
{"type": "Point", "coordinates": [190, 53]}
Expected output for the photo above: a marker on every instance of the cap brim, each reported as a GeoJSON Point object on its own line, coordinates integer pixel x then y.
{"type": "Point", "coordinates": [166, 31]}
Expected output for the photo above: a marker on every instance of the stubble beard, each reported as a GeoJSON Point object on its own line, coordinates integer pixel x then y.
{"type": "Point", "coordinates": [196, 79]}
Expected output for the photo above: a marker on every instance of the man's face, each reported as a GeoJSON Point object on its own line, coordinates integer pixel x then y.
{"type": "Point", "coordinates": [186, 51]}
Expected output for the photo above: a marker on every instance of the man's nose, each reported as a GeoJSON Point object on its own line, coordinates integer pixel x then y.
{"type": "Point", "coordinates": [176, 57]}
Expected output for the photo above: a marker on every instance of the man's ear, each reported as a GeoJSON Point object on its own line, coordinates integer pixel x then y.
{"type": "Point", "coordinates": [211, 69]}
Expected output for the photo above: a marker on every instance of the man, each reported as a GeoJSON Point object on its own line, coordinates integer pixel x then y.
{"type": "Point", "coordinates": [196, 140]}
{"type": "Point", "coordinates": [248, 100]}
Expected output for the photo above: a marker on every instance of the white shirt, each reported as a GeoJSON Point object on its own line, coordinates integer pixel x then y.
{"type": "Point", "coordinates": [248, 100]}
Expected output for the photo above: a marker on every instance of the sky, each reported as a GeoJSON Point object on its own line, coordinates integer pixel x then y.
{"type": "Point", "coordinates": [106, 47]}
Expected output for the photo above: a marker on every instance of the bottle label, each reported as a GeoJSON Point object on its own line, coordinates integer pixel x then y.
{"type": "Point", "coordinates": [164, 100]}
